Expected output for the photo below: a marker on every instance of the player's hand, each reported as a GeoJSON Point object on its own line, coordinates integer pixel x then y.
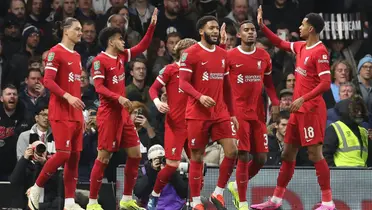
{"type": "Point", "coordinates": [154, 17]}
{"type": "Point", "coordinates": [235, 123]}
{"type": "Point", "coordinates": [28, 153]}
{"type": "Point", "coordinates": [275, 112]}
{"type": "Point", "coordinates": [223, 33]}
{"type": "Point", "coordinates": [207, 101]}
{"type": "Point", "coordinates": [161, 106]}
{"type": "Point", "coordinates": [74, 101]}
{"type": "Point", "coordinates": [125, 102]}
{"type": "Point", "coordinates": [296, 105]}
{"type": "Point", "coordinates": [259, 16]}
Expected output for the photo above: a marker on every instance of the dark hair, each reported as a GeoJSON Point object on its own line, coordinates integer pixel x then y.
{"type": "Point", "coordinates": [230, 29]}
{"type": "Point", "coordinates": [282, 115]}
{"type": "Point", "coordinates": [245, 22]}
{"type": "Point", "coordinates": [173, 34]}
{"type": "Point", "coordinates": [265, 41]}
{"type": "Point", "coordinates": [88, 22]}
{"type": "Point", "coordinates": [316, 21]}
{"type": "Point", "coordinates": [8, 86]}
{"type": "Point", "coordinates": [41, 108]}
{"type": "Point", "coordinates": [106, 34]}
{"type": "Point", "coordinates": [204, 20]}
{"type": "Point", "coordinates": [29, 6]}
{"type": "Point", "coordinates": [136, 60]}
{"type": "Point", "coordinates": [61, 25]}
{"type": "Point", "coordinates": [282, 26]}
{"type": "Point", "coordinates": [33, 70]}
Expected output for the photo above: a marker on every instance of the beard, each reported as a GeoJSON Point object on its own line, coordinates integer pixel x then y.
{"type": "Point", "coordinates": [209, 40]}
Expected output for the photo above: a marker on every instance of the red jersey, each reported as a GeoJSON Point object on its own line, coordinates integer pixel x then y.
{"type": "Point", "coordinates": [208, 69]}
{"type": "Point", "coordinates": [111, 69]}
{"type": "Point", "coordinates": [67, 64]}
{"type": "Point", "coordinates": [311, 63]}
{"type": "Point", "coordinates": [247, 70]}
{"type": "Point", "coordinates": [169, 77]}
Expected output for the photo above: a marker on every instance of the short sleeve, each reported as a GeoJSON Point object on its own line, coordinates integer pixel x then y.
{"type": "Point", "coordinates": [52, 61]}
{"type": "Point", "coordinates": [269, 64]}
{"type": "Point", "coordinates": [164, 76]}
{"type": "Point", "coordinates": [296, 46]}
{"type": "Point", "coordinates": [187, 61]}
{"type": "Point", "coordinates": [321, 60]}
{"type": "Point", "coordinates": [98, 70]}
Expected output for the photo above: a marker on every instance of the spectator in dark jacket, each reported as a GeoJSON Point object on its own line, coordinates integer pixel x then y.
{"type": "Point", "coordinates": [34, 95]}
{"type": "Point", "coordinates": [276, 141]}
{"type": "Point", "coordinates": [88, 92]}
{"type": "Point", "coordinates": [12, 36]}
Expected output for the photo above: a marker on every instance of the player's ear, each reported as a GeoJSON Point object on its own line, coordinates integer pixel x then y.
{"type": "Point", "coordinates": [238, 35]}
{"type": "Point", "coordinates": [311, 29]}
{"type": "Point", "coordinates": [201, 32]}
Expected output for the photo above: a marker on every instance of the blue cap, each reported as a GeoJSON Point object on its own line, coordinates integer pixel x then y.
{"type": "Point", "coordinates": [366, 59]}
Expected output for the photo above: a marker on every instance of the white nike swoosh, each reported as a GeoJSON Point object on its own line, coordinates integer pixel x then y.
{"type": "Point", "coordinates": [203, 63]}
{"type": "Point", "coordinates": [112, 68]}
{"type": "Point", "coordinates": [69, 63]}
{"type": "Point", "coordinates": [238, 65]}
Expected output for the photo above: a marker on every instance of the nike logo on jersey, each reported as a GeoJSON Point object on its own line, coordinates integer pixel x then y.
{"type": "Point", "coordinates": [238, 65]}
{"type": "Point", "coordinates": [69, 63]}
{"type": "Point", "coordinates": [203, 63]}
{"type": "Point", "coordinates": [112, 68]}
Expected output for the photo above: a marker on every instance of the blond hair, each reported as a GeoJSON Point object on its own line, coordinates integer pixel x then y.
{"type": "Point", "coordinates": [182, 45]}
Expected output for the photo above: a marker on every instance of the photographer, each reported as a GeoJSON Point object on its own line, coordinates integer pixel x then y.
{"type": "Point", "coordinates": [33, 148]}
{"type": "Point", "coordinates": [173, 196]}
{"type": "Point", "coordinates": [90, 139]}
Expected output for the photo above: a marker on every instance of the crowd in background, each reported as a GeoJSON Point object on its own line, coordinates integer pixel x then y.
{"type": "Point", "coordinates": [28, 30]}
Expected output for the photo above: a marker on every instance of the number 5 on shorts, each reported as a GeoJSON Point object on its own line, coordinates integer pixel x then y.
{"type": "Point", "coordinates": [309, 132]}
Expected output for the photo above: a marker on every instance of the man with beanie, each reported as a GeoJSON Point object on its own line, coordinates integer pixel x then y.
{"type": "Point", "coordinates": [11, 40]}
{"type": "Point", "coordinates": [19, 63]}
{"type": "Point", "coordinates": [363, 82]}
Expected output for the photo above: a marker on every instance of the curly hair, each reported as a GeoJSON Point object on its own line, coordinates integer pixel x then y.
{"type": "Point", "coordinates": [182, 45]}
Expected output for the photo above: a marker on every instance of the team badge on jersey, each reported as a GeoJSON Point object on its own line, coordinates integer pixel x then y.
{"type": "Point", "coordinates": [223, 63]}
{"type": "Point", "coordinates": [51, 56]}
{"type": "Point", "coordinates": [307, 58]}
{"type": "Point", "coordinates": [259, 64]}
{"type": "Point", "coordinates": [183, 57]}
{"type": "Point", "coordinates": [97, 65]}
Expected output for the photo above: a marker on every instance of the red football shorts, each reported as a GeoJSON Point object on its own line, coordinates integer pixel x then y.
{"type": "Point", "coordinates": [68, 135]}
{"type": "Point", "coordinates": [199, 131]}
{"type": "Point", "coordinates": [174, 142]}
{"type": "Point", "coordinates": [305, 129]}
{"type": "Point", "coordinates": [252, 136]}
{"type": "Point", "coordinates": [117, 133]}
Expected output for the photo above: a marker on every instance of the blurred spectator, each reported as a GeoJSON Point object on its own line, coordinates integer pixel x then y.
{"type": "Point", "coordinates": [174, 195]}
{"type": "Point", "coordinates": [165, 57]}
{"type": "Point", "coordinates": [88, 92]}
{"type": "Point", "coordinates": [34, 9]}
{"type": "Point", "coordinates": [143, 10]}
{"type": "Point", "coordinates": [346, 143]}
{"type": "Point", "coordinates": [100, 7]}
{"type": "Point", "coordinates": [55, 4]}
{"type": "Point", "coordinates": [17, 7]}
{"type": "Point", "coordinates": [276, 139]}
{"type": "Point", "coordinates": [363, 82]}
{"type": "Point", "coordinates": [12, 36]}
{"type": "Point", "coordinates": [137, 90]}
{"type": "Point", "coordinates": [34, 95]}
{"type": "Point", "coordinates": [240, 12]}
{"type": "Point", "coordinates": [171, 20]}
{"type": "Point", "coordinates": [214, 154]}
{"type": "Point", "coordinates": [18, 69]}
{"type": "Point", "coordinates": [198, 9]}
{"type": "Point", "coordinates": [279, 12]}
{"type": "Point", "coordinates": [338, 50]}
{"type": "Point", "coordinates": [2, 64]}
{"type": "Point", "coordinates": [88, 45]}
{"type": "Point", "coordinates": [139, 115]}
{"type": "Point", "coordinates": [132, 34]}
{"type": "Point", "coordinates": [341, 72]}
{"type": "Point", "coordinates": [84, 11]}
{"type": "Point", "coordinates": [232, 40]}
{"type": "Point", "coordinates": [285, 98]}
{"type": "Point", "coordinates": [90, 143]}
{"type": "Point", "coordinates": [287, 83]}
{"type": "Point", "coordinates": [11, 125]}
{"type": "Point", "coordinates": [67, 9]}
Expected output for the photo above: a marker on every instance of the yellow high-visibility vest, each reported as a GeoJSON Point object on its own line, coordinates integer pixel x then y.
{"type": "Point", "coordinates": [350, 152]}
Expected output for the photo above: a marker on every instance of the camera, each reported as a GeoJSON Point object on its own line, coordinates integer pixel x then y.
{"type": "Point", "coordinates": [38, 147]}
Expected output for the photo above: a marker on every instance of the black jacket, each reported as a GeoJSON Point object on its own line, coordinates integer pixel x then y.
{"type": "Point", "coordinates": [275, 151]}
{"type": "Point", "coordinates": [31, 107]}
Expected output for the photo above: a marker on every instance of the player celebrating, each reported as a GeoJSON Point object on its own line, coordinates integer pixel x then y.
{"type": "Point", "coordinates": [204, 77]}
{"type": "Point", "coordinates": [115, 128]}
{"type": "Point", "coordinates": [250, 68]}
{"type": "Point", "coordinates": [175, 127]}
{"type": "Point", "coordinates": [307, 122]}
{"type": "Point", "coordinates": [62, 78]}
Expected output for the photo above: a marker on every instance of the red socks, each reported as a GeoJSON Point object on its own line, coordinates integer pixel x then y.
{"type": "Point", "coordinates": [70, 176]}
{"type": "Point", "coordinates": [285, 175]}
{"type": "Point", "coordinates": [195, 178]}
{"type": "Point", "coordinates": [253, 169]}
{"type": "Point", "coordinates": [51, 167]}
{"type": "Point", "coordinates": [130, 174]}
{"type": "Point", "coordinates": [242, 179]}
{"type": "Point", "coordinates": [324, 179]}
{"type": "Point", "coordinates": [226, 168]}
{"type": "Point", "coordinates": [163, 178]}
{"type": "Point", "coordinates": [96, 177]}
